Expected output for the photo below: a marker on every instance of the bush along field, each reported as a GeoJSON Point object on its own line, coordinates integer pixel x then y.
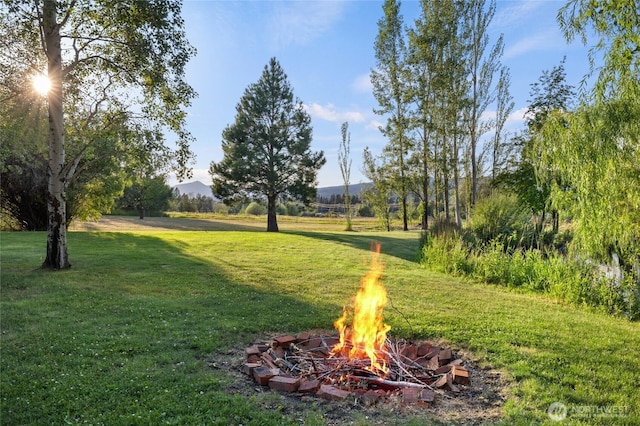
{"type": "Point", "coordinates": [500, 245]}
{"type": "Point", "coordinates": [145, 328]}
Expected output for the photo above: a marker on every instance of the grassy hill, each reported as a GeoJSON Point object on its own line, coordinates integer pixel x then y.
{"type": "Point", "coordinates": [354, 189]}
{"type": "Point", "coordinates": [148, 327]}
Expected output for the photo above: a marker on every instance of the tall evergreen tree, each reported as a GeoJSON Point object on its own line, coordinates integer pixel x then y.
{"type": "Point", "coordinates": [267, 149]}
{"type": "Point", "coordinates": [390, 88]}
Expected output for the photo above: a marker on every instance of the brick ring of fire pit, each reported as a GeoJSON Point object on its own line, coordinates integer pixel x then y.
{"type": "Point", "coordinates": [415, 372]}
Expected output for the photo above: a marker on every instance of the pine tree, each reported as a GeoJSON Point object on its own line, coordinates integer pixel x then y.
{"type": "Point", "coordinates": [267, 149]}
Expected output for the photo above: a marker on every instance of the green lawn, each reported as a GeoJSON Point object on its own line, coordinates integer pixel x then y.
{"type": "Point", "coordinates": [141, 329]}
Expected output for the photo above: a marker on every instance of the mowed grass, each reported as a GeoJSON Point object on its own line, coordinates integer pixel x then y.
{"type": "Point", "coordinates": [143, 326]}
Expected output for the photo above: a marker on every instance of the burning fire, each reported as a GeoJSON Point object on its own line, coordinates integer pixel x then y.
{"type": "Point", "coordinates": [365, 338]}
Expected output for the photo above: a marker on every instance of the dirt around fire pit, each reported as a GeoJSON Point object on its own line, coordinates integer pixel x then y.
{"type": "Point", "coordinates": [426, 381]}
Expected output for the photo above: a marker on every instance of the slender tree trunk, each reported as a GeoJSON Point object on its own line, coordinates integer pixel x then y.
{"type": "Point", "coordinates": [405, 221]}
{"type": "Point", "coordinates": [474, 162]}
{"type": "Point", "coordinates": [539, 228]}
{"type": "Point", "coordinates": [57, 256]}
{"type": "Point", "coordinates": [445, 177]}
{"type": "Point", "coordinates": [425, 192]}
{"type": "Point", "coordinates": [403, 179]}
{"type": "Point", "coordinates": [436, 181]}
{"type": "Point", "coordinates": [403, 190]}
{"type": "Point", "coordinates": [272, 222]}
{"type": "Point", "coordinates": [456, 181]}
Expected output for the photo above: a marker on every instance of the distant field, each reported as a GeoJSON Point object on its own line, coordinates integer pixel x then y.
{"type": "Point", "coordinates": [149, 326]}
{"type": "Point", "coordinates": [212, 222]}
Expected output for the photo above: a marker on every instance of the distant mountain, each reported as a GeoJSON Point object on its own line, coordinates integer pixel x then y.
{"type": "Point", "coordinates": [354, 189]}
{"type": "Point", "coordinates": [193, 189]}
{"type": "Point", "coordinates": [196, 188]}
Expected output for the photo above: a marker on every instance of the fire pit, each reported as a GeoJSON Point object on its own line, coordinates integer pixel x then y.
{"type": "Point", "coordinates": [361, 361]}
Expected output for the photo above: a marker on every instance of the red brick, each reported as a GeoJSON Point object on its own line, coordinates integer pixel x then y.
{"type": "Point", "coordinates": [432, 363]}
{"type": "Point", "coordinates": [268, 360]}
{"type": "Point", "coordinates": [410, 395]}
{"type": "Point", "coordinates": [301, 337]}
{"type": "Point", "coordinates": [435, 350]}
{"type": "Point", "coordinates": [285, 341]}
{"type": "Point", "coordinates": [309, 385]}
{"type": "Point", "coordinates": [423, 349]}
{"type": "Point", "coordinates": [427, 395]}
{"type": "Point", "coordinates": [247, 368]}
{"type": "Point", "coordinates": [460, 376]}
{"type": "Point", "coordinates": [410, 351]}
{"type": "Point", "coordinates": [442, 370]}
{"type": "Point", "coordinates": [252, 350]}
{"type": "Point", "coordinates": [253, 358]}
{"type": "Point", "coordinates": [332, 393]}
{"type": "Point", "coordinates": [444, 356]}
{"type": "Point", "coordinates": [284, 384]}
{"type": "Point", "coordinates": [313, 342]}
{"type": "Point", "coordinates": [262, 375]}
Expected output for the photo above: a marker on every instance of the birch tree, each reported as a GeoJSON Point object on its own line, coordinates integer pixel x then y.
{"type": "Point", "coordinates": [124, 58]}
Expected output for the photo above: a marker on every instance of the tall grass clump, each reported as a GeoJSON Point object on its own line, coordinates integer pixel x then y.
{"type": "Point", "coordinates": [494, 249]}
{"type": "Point", "coordinates": [445, 252]}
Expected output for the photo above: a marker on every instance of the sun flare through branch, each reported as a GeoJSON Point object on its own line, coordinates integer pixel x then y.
{"type": "Point", "coordinates": [41, 84]}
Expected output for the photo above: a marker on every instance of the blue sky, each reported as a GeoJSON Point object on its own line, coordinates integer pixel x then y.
{"type": "Point", "coordinates": [326, 49]}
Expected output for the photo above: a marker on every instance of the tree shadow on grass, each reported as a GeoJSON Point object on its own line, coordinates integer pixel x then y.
{"type": "Point", "coordinates": [136, 315]}
{"type": "Point", "coordinates": [402, 248]}
{"type": "Point", "coordinates": [179, 274]}
{"type": "Point", "coordinates": [132, 223]}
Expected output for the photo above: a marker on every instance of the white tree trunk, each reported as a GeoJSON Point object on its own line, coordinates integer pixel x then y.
{"type": "Point", "coordinates": [57, 257]}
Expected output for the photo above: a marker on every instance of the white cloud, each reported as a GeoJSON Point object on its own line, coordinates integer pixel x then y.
{"type": "Point", "coordinates": [299, 22]}
{"type": "Point", "coordinates": [363, 84]}
{"type": "Point", "coordinates": [543, 40]}
{"type": "Point", "coordinates": [515, 12]}
{"type": "Point", "coordinates": [488, 115]}
{"type": "Point", "coordinates": [329, 113]}
{"type": "Point", "coordinates": [517, 117]}
{"type": "Point", "coordinates": [374, 125]}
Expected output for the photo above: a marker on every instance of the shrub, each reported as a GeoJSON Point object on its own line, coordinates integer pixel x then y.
{"type": "Point", "coordinates": [365, 211]}
{"type": "Point", "coordinates": [292, 209]}
{"type": "Point", "coordinates": [573, 281]}
{"type": "Point", "coordinates": [220, 208]}
{"type": "Point", "coordinates": [256, 209]}
{"type": "Point", "coordinates": [499, 217]}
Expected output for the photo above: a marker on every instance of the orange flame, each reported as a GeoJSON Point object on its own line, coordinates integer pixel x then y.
{"type": "Point", "coordinates": [367, 334]}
